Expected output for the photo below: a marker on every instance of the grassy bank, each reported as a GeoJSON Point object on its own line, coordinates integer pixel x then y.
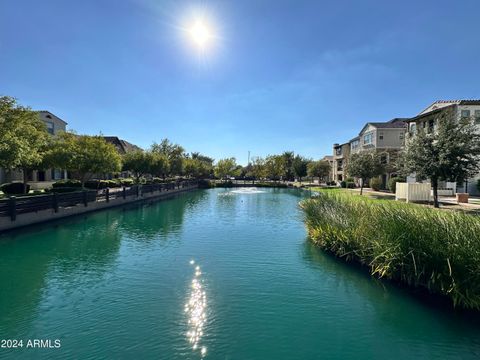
{"type": "Point", "coordinates": [418, 246]}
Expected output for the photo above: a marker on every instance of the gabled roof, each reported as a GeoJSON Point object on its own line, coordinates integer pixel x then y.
{"type": "Point", "coordinates": [339, 145]}
{"type": "Point", "coordinates": [122, 146]}
{"type": "Point", "coordinates": [46, 112]}
{"type": "Point", "coordinates": [444, 103]}
{"type": "Point", "coordinates": [433, 112]}
{"type": "Point", "coordinates": [396, 123]}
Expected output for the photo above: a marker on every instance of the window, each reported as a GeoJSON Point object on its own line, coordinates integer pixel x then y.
{"type": "Point", "coordinates": [477, 116]}
{"type": "Point", "coordinates": [367, 139]}
{"type": "Point", "coordinates": [50, 127]}
{"type": "Point", "coordinates": [48, 116]}
{"type": "Point", "coordinates": [401, 135]}
{"type": "Point", "coordinates": [338, 151]}
{"type": "Point", "coordinates": [465, 114]}
{"type": "Point", "coordinates": [380, 136]}
{"type": "Point", "coordinates": [431, 124]}
{"type": "Point", "coordinates": [413, 128]}
{"type": "Point", "coordinates": [339, 165]}
{"type": "Point", "coordinates": [354, 144]}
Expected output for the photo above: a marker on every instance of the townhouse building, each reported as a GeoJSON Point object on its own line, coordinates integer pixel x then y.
{"type": "Point", "coordinates": [427, 121]}
{"type": "Point", "coordinates": [387, 138]}
{"type": "Point", "coordinates": [341, 152]}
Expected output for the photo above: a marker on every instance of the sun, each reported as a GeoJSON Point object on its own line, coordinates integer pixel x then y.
{"type": "Point", "coordinates": [200, 34]}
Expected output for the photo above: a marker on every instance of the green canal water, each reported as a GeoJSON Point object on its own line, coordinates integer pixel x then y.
{"type": "Point", "coordinates": [216, 274]}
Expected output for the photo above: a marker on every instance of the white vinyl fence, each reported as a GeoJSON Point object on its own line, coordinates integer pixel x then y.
{"type": "Point", "coordinates": [413, 192]}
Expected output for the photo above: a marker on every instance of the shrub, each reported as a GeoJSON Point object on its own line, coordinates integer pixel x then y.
{"type": "Point", "coordinates": [350, 179]}
{"type": "Point", "coordinates": [412, 244]}
{"type": "Point", "coordinates": [392, 183]}
{"type": "Point", "coordinates": [15, 188]}
{"type": "Point", "coordinates": [350, 185]}
{"type": "Point", "coordinates": [126, 181]}
{"type": "Point", "coordinates": [343, 184]}
{"type": "Point", "coordinates": [101, 184]}
{"type": "Point", "coordinates": [157, 180]}
{"type": "Point", "coordinates": [375, 184]}
{"type": "Point", "coordinates": [67, 183]}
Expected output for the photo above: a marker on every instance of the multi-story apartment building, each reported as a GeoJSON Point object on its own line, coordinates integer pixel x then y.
{"type": "Point", "coordinates": [329, 159]}
{"type": "Point", "coordinates": [427, 120]}
{"type": "Point", "coordinates": [384, 137]}
{"type": "Point", "coordinates": [54, 126]}
{"type": "Point", "coordinates": [341, 153]}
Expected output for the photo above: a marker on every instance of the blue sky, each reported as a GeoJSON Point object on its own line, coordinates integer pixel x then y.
{"type": "Point", "coordinates": [280, 75]}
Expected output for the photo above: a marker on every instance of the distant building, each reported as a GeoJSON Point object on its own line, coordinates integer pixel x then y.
{"type": "Point", "coordinates": [122, 146]}
{"type": "Point", "coordinates": [329, 159]}
{"type": "Point", "coordinates": [386, 138]}
{"type": "Point", "coordinates": [341, 152]}
{"type": "Point", "coordinates": [40, 178]}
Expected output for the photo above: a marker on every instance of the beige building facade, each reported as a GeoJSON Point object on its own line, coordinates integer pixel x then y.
{"type": "Point", "coordinates": [39, 179]}
{"type": "Point", "coordinates": [386, 138]}
{"type": "Point", "coordinates": [427, 120]}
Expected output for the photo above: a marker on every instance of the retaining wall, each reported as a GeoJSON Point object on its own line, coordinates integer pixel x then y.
{"type": "Point", "coordinates": [47, 215]}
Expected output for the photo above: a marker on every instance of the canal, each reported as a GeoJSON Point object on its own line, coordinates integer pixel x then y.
{"type": "Point", "coordinates": [214, 274]}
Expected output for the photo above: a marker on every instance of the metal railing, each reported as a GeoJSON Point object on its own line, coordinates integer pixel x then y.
{"type": "Point", "coordinates": [14, 206]}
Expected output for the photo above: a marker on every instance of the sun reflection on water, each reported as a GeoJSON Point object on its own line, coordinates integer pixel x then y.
{"type": "Point", "coordinates": [196, 311]}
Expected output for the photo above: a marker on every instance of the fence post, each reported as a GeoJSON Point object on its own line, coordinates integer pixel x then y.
{"type": "Point", "coordinates": [55, 202]}
{"type": "Point", "coordinates": [138, 190]}
{"type": "Point", "coordinates": [85, 197]}
{"type": "Point", "coordinates": [13, 208]}
{"type": "Point", "coordinates": [107, 194]}
{"type": "Point", "coordinates": [124, 193]}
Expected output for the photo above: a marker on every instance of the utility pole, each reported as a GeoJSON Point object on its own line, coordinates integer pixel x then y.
{"type": "Point", "coordinates": [248, 163]}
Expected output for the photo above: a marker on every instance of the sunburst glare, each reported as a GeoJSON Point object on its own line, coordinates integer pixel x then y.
{"type": "Point", "coordinates": [196, 312]}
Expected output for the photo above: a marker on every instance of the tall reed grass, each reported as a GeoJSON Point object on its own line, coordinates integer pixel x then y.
{"type": "Point", "coordinates": [419, 246]}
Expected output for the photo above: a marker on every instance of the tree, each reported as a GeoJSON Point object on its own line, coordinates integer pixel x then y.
{"type": "Point", "coordinates": [157, 163]}
{"type": "Point", "coordinates": [137, 163]}
{"type": "Point", "coordinates": [83, 155]}
{"type": "Point", "coordinates": [449, 152]}
{"type": "Point", "coordinates": [257, 168]}
{"type": "Point", "coordinates": [226, 167]}
{"type": "Point", "coordinates": [202, 165]}
{"type": "Point", "coordinates": [197, 168]}
{"type": "Point", "coordinates": [274, 167]}
{"type": "Point", "coordinates": [320, 169]}
{"type": "Point", "coordinates": [174, 153]}
{"type": "Point", "coordinates": [300, 166]}
{"type": "Point", "coordinates": [364, 166]}
{"type": "Point", "coordinates": [287, 166]}
{"type": "Point", "coordinates": [23, 137]}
